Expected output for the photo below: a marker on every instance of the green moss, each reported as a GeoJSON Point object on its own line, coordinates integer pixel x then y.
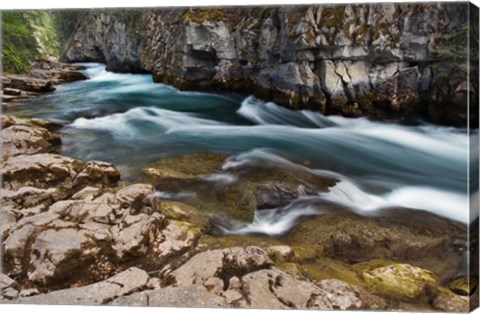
{"type": "Point", "coordinates": [206, 14]}
{"type": "Point", "coordinates": [184, 167]}
{"type": "Point", "coordinates": [19, 44]}
{"type": "Point", "coordinates": [366, 100]}
{"type": "Point", "coordinates": [401, 281]}
{"type": "Point", "coordinates": [325, 268]}
{"type": "Point", "coordinates": [291, 268]}
{"type": "Point", "coordinates": [333, 16]}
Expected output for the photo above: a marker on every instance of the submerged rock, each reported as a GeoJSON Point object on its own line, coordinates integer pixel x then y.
{"type": "Point", "coordinates": [438, 244]}
{"type": "Point", "coordinates": [231, 191]}
{"type": "Point", "coordinates": [183, 167]}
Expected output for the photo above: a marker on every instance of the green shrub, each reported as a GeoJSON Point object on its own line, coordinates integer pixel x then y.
{"type": "Point", "coordinates": [19, 45]}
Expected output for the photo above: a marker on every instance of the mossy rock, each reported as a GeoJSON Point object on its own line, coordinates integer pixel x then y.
{"type": "Point", "coordinates": [205, 14]}
{"type": "Point", "coordinates": [333, 16]}
{"type": "Point", "coordinates": [227, 241]}
{"type": "Point", "coordinates": [182, 212]}
{"type": "Point", "coordinates": [291, 268]}
{"type": "Point", "coordinates": [234, 193]}
{"type": "Point", "coordinates": [183, 167]}
{"type": "Point", "coordinates": [401, 281]}
{"type": "Point", "coordinates": [392, 236]}
{"type": "Point", "coordinates": [326, 268]}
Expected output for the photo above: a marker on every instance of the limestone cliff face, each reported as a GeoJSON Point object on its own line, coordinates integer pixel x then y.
{"type": "Point", "coordinates": [384, 61]}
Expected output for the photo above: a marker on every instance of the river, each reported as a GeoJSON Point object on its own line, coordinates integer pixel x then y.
{"type": "Point", "coordinates": [128, 120]}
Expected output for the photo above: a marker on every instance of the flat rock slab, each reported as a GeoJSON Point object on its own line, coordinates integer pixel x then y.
{"type": "Point", "coordinates": [31, 84]}
{"type": "Point", "coordinates": [99, 293]}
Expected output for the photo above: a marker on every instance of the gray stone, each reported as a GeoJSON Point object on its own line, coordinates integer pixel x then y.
{"type": "Point", "coordinates": [25, 140]}
{"type": "Point", "coordinates": [224, 264]}
{"type": "Point", "coordinates": [137, 238]}
{"type": "Point", "coordinates": [55, 253]}
{"type": "Point", "coordinates": [123, 283]}
{"type": "Point", "coordinates": [14, 249]}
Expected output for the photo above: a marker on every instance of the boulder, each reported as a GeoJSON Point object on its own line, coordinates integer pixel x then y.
{"type": "Point", "coordinates": [133, 195]}
{"type": "Point", "coordinates": [337, 294]}
{"type": "Point", "coordinates": [31, 84]}
{"type": "Point", "coordinates": [96, 172]}
{"type": "Point", "coordinates": [437, 244]}
{"type": "Point", "coordinates": [136, 238]}
{"type": "Point", "coordinates": [177, 237]}
{"type": "Point", "coordinates": [272, 288]}
{"type": "Point", "coordinates": [12, 91]}
{"type": "Point", "coordinates": [40, 171]}
{"type": "Point", "coordinates": [231, 189]}
{"type": "Point", "coordinates": [224, 264]}
{"type": "Point", "coordinates": [402, 281]}
{"type": "Point", "coordinates": [55, 254]}
{"type": "Point", "coordinates": [25, 140]}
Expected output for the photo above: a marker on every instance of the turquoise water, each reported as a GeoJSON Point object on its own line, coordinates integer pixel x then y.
{"type": "Point", "coordinates": [128, 120]}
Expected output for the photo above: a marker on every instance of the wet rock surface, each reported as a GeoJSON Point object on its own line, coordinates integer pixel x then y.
{"type": "Point", "coordinates": [74, 234]}
{"type": "Point", "coordinates": [237, 189]}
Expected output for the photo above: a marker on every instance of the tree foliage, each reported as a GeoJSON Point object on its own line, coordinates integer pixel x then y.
{"type": "Point", "coordinates": [19, 45]}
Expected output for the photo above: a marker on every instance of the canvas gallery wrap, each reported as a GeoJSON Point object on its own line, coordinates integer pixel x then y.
{"type": "Point", "coordinates": [277, 157]}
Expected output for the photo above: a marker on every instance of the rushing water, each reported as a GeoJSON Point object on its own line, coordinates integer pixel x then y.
{"type": "Point", "coordinates": [128, 120]}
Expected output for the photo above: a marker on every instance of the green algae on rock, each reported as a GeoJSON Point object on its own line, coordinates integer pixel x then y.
{"type": "Point", "coordinates": [235, 193]}
{"type": "Point", "coordinates": [402, 281]}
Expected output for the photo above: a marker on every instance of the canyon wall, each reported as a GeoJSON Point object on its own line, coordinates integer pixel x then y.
{"type": "Point", "coordinates": [384, 61]}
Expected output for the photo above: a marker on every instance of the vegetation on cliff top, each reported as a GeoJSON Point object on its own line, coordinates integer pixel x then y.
{"type": "Point", "coordinates": [34, 35]}
{"type": "Point", "coordinates": [19, 44]}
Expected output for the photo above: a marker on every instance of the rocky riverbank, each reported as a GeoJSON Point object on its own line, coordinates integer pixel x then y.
{"type": "Point", "coordinates": [41, 79]}
{"type": "Point", "coordinates": [74, 233]}
{"type": "Point", "coordinates": [377, 60]}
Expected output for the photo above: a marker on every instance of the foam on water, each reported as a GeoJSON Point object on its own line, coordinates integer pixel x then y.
{"type": "Point", "coordinates": [129, 120]}
{"type": "Point", "coordinates": [444, 203]}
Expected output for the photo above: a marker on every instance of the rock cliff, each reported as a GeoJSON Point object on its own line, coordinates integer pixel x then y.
{"type": "Point", "coordinates": [385, 61]}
